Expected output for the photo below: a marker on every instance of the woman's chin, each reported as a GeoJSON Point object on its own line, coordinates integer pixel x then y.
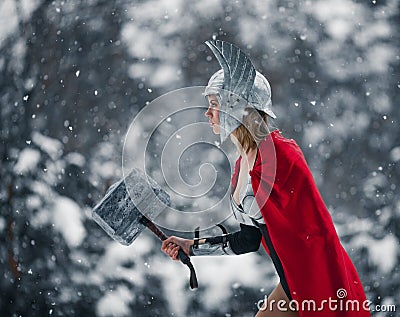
{"type": "Point", "coordinates": [216, 129]}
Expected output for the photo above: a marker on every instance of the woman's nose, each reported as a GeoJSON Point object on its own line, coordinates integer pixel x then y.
{"type": "Point", "coordinates": [208, 113]}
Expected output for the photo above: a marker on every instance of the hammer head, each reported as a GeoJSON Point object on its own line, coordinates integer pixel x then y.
{"type": "Point", "coordinates": [121, 210]}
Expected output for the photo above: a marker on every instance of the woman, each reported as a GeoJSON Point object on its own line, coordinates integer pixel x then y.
{"type": "Point", "coordinates": [276, 201]}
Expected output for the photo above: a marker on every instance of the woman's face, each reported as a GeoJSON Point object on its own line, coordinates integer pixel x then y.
{"type": "Point", "coordinates": [212, 113]}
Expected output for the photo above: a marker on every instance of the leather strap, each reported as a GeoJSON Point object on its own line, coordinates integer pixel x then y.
{"type": "Point", "coordinates": [224, 236]}
{"type": "Point", "coordinates": [224, 231]}
{"type": "Point", "coordinates": [196, 237]}
{"type": "Point", "coordinates": [186, 260]}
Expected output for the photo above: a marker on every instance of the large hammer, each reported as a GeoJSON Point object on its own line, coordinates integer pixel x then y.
{"type": "Point", "coordinates": [128, 207]}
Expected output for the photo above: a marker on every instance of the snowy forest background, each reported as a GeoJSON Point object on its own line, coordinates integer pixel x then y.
{"type": "Point", "coordinates": [75, 73]}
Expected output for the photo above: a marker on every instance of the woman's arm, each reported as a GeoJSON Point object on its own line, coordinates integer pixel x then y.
{"type": "Point", "coordinates": [244, 241]}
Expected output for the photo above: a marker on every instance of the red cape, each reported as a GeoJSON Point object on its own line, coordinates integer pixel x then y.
{"type": "Point", "coordinates": [316, 266]}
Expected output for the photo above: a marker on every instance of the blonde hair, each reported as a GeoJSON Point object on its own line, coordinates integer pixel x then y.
{"type": "Point", "coordinates": [253, 129]}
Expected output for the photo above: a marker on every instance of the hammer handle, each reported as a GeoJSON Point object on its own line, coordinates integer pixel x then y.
{"type": "Point", "coordinates": [149, 224]}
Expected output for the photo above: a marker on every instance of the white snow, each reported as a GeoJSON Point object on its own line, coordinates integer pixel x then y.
{"type": "Point", "coordinates": [376, 181]}
{"type": "Point", "coordinates": [8, 12]}
{"type": "Point", "coordinates": [107, 170]}
{"type": "Point", "coordinates": [339, 19]}
{"type": "Point", "coordinates": [27, 161]}
{"type": "Point", "coordinates": [42, 189]}
{"type": "Point", "coordinates": [156, 42]}
{"type": "Point", "coordinates": [75, 158]}
{"type": "Point", "coordinates": [370, 33]}
{"type": "Point", "coordinates": [67, 218]}
{"type": "Point", "coordinates": [2, 224]}
{"type": "Point", "coordinates": [52, 147]}
{"type": "Point", "coordinates": [42, 192]}
{"type": "Point", "coordinates": [115, 303]}
{"type": "Point", "coordinates": [33, 202]}
{"type": "Point", "coordinates": [348, 20]}
{"type": "Point", "coordinates": [167, 17]}
{"type": "Point", "coordinates": [111, 264]}
{"type": "Point", "coordinates": [102, 165]}
{"type": "Point", "coordinates": [381, 102]}
{"type": "Point", "coordinates": [164, 75]}
{"type": "Point", "coordinates": [315, 133]}
{"type": "Point", "coordinates": [27, 7]}
{"type": "Point", "coordinates": [216, 274]}
{"type": "Point", "coordinates": [383, 252]}
{"type": "Point", "coordinates": [379, 57]}
{"type": "Point", "coordinates": [395, 154]}
{"type": "Point", "coordinates": [139, 70]}
{"type": "Point", "coordinates": [340, 29]}
{"type": "Point", "coordinates": [175, 278]}
{"type": "Point", "coordinates": [204, 8]}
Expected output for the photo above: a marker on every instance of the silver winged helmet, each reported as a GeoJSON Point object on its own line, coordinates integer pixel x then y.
{"type": "Point", "coordinates": [237, 86]}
